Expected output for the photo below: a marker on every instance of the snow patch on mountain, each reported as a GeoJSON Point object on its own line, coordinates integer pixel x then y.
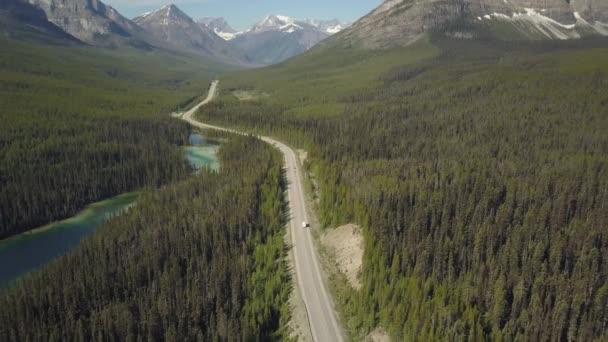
{"type": "Point", "coordinates": [601, 28]}
{"type": "Point", "coordinates": [276, 23]}
{"type": "Point", "coordinates": [335, 29]}
{"type": "Point", "coordinates": [548, 27]}
{"type": "Point", "coordinates": [328, 26]}
{"type": "Point", "coordinates": [219, 26]}
{"type": "Point", "coordinates": [289, 24]}
{"type": "Point", "coordinates": [227, 35]}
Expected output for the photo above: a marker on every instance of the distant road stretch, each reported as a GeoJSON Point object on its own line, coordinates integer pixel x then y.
{"type": "Point", "coordinates": [324, 326]}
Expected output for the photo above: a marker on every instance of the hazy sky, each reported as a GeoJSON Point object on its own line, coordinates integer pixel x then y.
{"type": "Point", "coordinates": [242, 13]}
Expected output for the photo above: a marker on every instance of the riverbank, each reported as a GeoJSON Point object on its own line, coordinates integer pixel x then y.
{"type": "Point", "coordinates": [30, 250]}
{"type": "Point", "coordinates": [25, 252]}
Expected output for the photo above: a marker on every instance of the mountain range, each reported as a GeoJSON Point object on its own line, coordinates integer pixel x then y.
{"type": "Point", "coordinates": [277, 37]}
{"type": "Point", "coordinates": [171, 25]}
{"type": "Point", "coordinates": [460, 142]}
{"type": "Point", "coordinates": [91, 22]}
{"type": "Point", "coordinates": [400, 22]}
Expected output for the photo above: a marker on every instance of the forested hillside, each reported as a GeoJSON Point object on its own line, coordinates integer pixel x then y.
{"type": "Point", "coordinates": [81, 124]}
{"type": "Point", "coordinates": [480, 176]}
{"type": "Point", "coordinates": [202, 260]}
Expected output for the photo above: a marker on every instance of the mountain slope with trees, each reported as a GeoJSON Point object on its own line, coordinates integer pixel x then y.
{"type": "Point", "coordinates": [203, 259]}
{"type": "Point", "coordinates": [81, 124]}
{"type": "Point", "coordinates": [478, 170]}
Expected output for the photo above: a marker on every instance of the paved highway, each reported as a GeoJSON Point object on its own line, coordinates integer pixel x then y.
{"type": "Point", "coordinates": [324, 326]}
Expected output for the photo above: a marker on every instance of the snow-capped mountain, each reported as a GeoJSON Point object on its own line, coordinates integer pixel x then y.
{"type": "Point", "coordinates": [280, 23]}
{"type": "Point", "coordinates": [284, 23]}
{"type": "Point", "coordinates": [328, 26]}
{"type": "Point", "coordinates": [220, 26]}
{"type": "Point", "coordinates": [278, 37]}
{"type": "Point", "coordinates": [172, 25]}
{"type": "Point", "coordinates": [276, 23]}
{"type": "Point", "coordinates": [401, 22]}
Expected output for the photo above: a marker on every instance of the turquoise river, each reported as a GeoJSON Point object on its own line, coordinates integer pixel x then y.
{"type": "Point", "coordinates": [25, 252]}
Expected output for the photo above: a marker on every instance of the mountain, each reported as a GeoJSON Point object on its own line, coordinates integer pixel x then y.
{"type": "Point", "coordinates": [220, 26]}
{"type": "Point", "coordinates": [472, 166]}
{"type": "Point", "coordinates": [280, 23]}
{"type": "Point", "coordinates": [400, 22]}
{"type": "Point", "coordinates": [330, 27]}
{"type": "Point", "coordinates": [90, 21]}
{"type": "Point", "coordinates": [172, 25]}
{"type": "Point", "coordinates": [277, 38]}
{"type": "Point", "coordinates": [18, 19]}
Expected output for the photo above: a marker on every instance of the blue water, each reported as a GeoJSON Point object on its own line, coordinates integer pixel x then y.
{"type": "Point", "coordinates": [26, 252]}
{"type": "Point", "coordinates": [197, 139]}
{"type": "Point", "coordinates": [202, 153]}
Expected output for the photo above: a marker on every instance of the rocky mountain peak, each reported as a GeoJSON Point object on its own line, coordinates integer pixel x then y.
{"type": "Point", "coordinates": [87, 20]}
{"type": "Point", "coordinates": [216, 23]}
{"type": "Point", "coordinates": [220, 26]}
{"type": "Point", "coordinates": [168, 12]}
{"type": "Point", "coordinates": [170, 24]}
{"type": "Point", "coordinates": [288, 24]}
{"type": "Point", "coordinates": [400, 22]}
{"type": "Point", "coordinates": [277, 23]}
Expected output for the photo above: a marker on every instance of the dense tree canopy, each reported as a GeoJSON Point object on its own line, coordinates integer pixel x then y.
{"type": "Point", "coordinates": [82, 124]}
{"type": "Point", "coordinates": [203, 259]}
{"type": "Point", "coordinates": [480, 176]}
{"type": "Point", "coordinates": [51, 170]}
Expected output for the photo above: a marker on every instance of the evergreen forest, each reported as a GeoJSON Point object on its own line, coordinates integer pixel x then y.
{"type": "Point", "coordinates": [202, 259]}
{"type": "Point", "coordinates": [478, 170]}
{"type": "Point", "coordinates": [81, 124]}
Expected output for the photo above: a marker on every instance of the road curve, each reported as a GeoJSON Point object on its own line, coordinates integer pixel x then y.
{"type": "Point", "coordinates": [324, 326]}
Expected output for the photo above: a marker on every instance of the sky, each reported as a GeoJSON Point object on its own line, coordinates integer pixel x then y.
{"type": "Point", "coordinates": [241, 14]}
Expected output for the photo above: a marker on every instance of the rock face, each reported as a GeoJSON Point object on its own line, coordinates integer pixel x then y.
{"type": "Point", "coordinates": [171, 25]}
{"type": "Point", "coordinates": [220, 26]}
{"type": "Point", "coordinates": [18, 17]}
{"type": "Point", "coordinates": [400, 22]}
{"type": "Point", "coordinates": [90, 21]}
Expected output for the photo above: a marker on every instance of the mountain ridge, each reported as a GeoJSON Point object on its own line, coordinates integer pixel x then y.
{"type": "Point", "coordinates": [173, 26]}
{"type": "Point", "coordinates": [401, 22]}
{"type": "Point", "coordinates": [20, 19]}
{"type": "Point", "coordinates": [90, 21]}
{"type": "Point", "coordinates": [277, 38]}
{"type": "Point", "coordinates": [219, 25]}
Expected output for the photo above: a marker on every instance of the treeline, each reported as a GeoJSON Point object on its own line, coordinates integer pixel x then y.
{"type": "Point", "coordinates": [202, 259]}
{"type": "Point", "coordinates": [481, 178]}
{"type": "Point", "coordinates": [53, 167]}
{"type": "Point", "coordinates": [81, 124]}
